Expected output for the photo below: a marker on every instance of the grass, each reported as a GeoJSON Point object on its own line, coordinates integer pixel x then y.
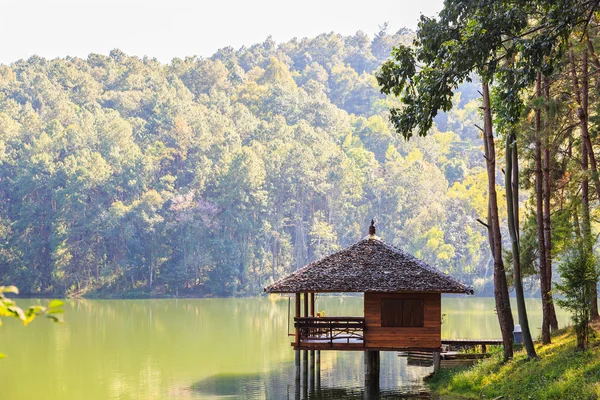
{"type": "Point", "coordinates": [560, 372]}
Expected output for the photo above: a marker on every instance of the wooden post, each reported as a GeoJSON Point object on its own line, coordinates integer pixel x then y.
{"type": "Point", "coordinates": [318, 374]}
{"type": "Point", "coordinates": [371, 374]}
{"type": "Point", "coordinates": [305, 355]}
{"type": "Point", "coordinates": [297, 316]}
{"type": "Point", "coordinates": [312, 304]}
{"type": "Point", "coordinates": [371, 366]}
{"type": "Point", "coordinates": [306, 304]}
{"type": "Point", "coordinates": [297, 365]}
{"type": "Point", "coordinates": [312, 371]}
{"type": "Point", "coordinates": [305, 375]}
{"type": "Point", "coordinates": [436, 361]}
{"type": "Point", "coordinates": [483, 349]}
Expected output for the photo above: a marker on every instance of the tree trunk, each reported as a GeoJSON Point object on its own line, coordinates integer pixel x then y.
{"type": "Point", "coordinates": [500, 285]}
{"type": "Point", "coordinates": [512, 203]}
{"type": "Point", "coordinates": [585, 89]}
{"type": "Point", "coordinates": [546, 216]}
{"type": "Point", "coordinates": [587, 154]}
{"type": "Point", "coordinates": [582, 113]}
{"type": "Point", "coordinates": [586, 225]}
{"type": "Point", "coordinates": [595, 61]}
{"type": "Point", "coordinates": [539, 201]}
{"type": "Point", "coordinates": [151, 269]}
{"type": "Point", "coordinates": [46, 256]}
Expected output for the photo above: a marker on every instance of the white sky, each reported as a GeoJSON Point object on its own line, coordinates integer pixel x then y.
{"type": "Point", "coordinates": [177, 28]}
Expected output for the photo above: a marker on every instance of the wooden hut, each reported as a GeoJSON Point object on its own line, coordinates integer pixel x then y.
{"type": "Point", "coordinates": [402, 299]}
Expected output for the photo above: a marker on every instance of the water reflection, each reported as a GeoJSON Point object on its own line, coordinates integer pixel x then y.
{"type": "Point", "coordinates": [342, 379]}
{"type": "Point", "coordinates": [207, 349]}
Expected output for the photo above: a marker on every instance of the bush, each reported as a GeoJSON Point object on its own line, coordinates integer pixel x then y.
{"type": "Point", "coordinates": [579, 276]}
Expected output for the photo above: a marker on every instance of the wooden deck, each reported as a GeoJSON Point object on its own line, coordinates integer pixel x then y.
{"type": "Point", "coordinates": [472, 342]}
{"type": "Point", "coordinates": [335, 333]}
{"type": "Point", "coordinates": [349, 333]}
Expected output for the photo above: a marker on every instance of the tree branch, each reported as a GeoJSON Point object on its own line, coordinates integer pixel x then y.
{"type": "Point", "coordinates": [483, 223]}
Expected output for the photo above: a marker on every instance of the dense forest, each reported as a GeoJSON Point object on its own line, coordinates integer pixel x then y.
{"type": "Point", "coordinates": [124, 176]}
{"type": "Point", "coordinates": [540, 97]}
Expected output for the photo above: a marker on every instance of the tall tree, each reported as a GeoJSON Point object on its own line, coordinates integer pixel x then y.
{"type": "Point", "coordinates": [587, 155]}
{"type": "Point", "coordinates": [501, 295]}
{"type": "Point", "coordinates": [463, 41]}
{"type": "Point", "coordinates": [546, 218]}
{"type": "Point", "coordinates": [512, 202]}
{"type": "Point", "coordinates": [539, 200]}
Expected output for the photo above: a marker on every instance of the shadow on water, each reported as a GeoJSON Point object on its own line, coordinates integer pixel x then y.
{"type": "Point", "coordinates": [280, 384]}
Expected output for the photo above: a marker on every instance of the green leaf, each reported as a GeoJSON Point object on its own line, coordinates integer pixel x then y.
{"type": "Point", "coordinates": [18, 312]}
{"type": "Point", "coordinates": [34, 310]}
{"type": "Point", "coordinates": [56, 303]}
{"type": "Point", "coordinates": [4, 311]}
{"type": "Point", "coordinates": [54, 318]}
{"type": "Point", "coordinates": [9, 289]}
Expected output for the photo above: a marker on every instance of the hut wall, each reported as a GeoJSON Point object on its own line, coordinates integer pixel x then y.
{"type": "Point", "coordinates": [425, 337]}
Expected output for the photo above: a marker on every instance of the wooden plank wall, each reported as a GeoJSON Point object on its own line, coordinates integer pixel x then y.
{"type": "Point", "coordinates": [428, 336]}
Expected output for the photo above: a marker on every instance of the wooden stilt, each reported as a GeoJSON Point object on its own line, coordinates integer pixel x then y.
{"type": "Point", "coordinates": [371, 374]}
{"type": "Point", "coordinates": [306, 304]}
{"type": "Point", "coordinates": [312, 371]}
{"type": "Point", "coordinates": [297, 316]}
{"type": "Point", "coordinates": [436, 361]}
{"type": "Point", "coordinates": [305, 362]}
{"type": "Point", "coordinates": [318, 372]}
{"type": "Point", "coordinates": [297, 382]}
{"type": "Point", "coordinates": [305, 374]}
{"type": "Point", "coordinates": [297, 365]}
{"type": "Point", "coordinates": [372, 366]}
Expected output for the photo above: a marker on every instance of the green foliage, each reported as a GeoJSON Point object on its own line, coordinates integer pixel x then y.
{"type": "Point", "coordinates": [579, 275]}
{"type": "Point", "coordinates": [493, 39]}
{"type": "Point", "coordinates": [561, 372]}
{"type": "Point", "coordinates": [9, 308]}
{"type": "Point", "coordinates": [120, 175]}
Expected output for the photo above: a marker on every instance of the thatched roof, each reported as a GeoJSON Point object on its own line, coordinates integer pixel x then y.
{"type": "Point", "coordinates": [370, 265]}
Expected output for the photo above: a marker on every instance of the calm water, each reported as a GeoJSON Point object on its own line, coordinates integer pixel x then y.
{"type": "Point", "coordinates": [204, 349]}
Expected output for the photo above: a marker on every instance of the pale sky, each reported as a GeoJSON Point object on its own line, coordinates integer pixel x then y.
{"type": "Point", "coordinates": [177, 28]}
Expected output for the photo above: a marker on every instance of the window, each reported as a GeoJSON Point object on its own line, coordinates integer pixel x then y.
{"type": "Point", "coordinates": [407, 313]}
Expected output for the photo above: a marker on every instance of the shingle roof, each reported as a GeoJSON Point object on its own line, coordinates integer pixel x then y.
{"type": "Point", "coordinates": [369, 265]}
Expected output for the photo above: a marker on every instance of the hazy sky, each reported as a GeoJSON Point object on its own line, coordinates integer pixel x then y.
{"type": "Point", "coordinates": [177, 28]}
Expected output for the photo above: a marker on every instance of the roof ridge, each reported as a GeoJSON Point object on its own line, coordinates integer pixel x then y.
{"type": "Point", "coordinates": [351, 265]}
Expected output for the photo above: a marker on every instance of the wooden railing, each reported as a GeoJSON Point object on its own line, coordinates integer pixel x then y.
{"type": "Point", "coordinates": [330, 329]}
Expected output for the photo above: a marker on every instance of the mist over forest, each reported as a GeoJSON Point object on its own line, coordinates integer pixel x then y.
{"type": "Point", "coordinates": [124, 176]}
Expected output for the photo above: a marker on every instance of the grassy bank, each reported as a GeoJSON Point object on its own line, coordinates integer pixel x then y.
{"type": "Point", "coordinates": [561, 372]}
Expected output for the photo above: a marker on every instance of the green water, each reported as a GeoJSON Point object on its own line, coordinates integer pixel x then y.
{"type": "Point", "coordinates": [203, 349]}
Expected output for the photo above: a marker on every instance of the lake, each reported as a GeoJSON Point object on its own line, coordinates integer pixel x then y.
{"type": "Point", "coordinates": [205, 349]}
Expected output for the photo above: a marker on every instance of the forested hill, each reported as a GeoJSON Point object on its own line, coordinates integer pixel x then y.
{"type": "Point", "coordinates": [212, 177]}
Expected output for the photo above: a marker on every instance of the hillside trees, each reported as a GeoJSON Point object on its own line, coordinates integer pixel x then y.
{"type": "Point", "coordinates": [123, 176]}
{"type": "Point", "coordinates": [511, 45]}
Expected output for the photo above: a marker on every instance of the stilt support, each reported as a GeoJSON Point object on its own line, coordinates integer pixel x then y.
{"type": "Point", "coordinates": [297, 364]}
{"type": "Point", "coordinates": [436, 361]}
{"type": "Point", "coordinates": [318, 372]}
{"type": "Point", "coordinates": [371, 374]}
{"type": "Point", "coordinates": [372, 367]}
{"type": "Point", "coordinates": [305, 374]}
